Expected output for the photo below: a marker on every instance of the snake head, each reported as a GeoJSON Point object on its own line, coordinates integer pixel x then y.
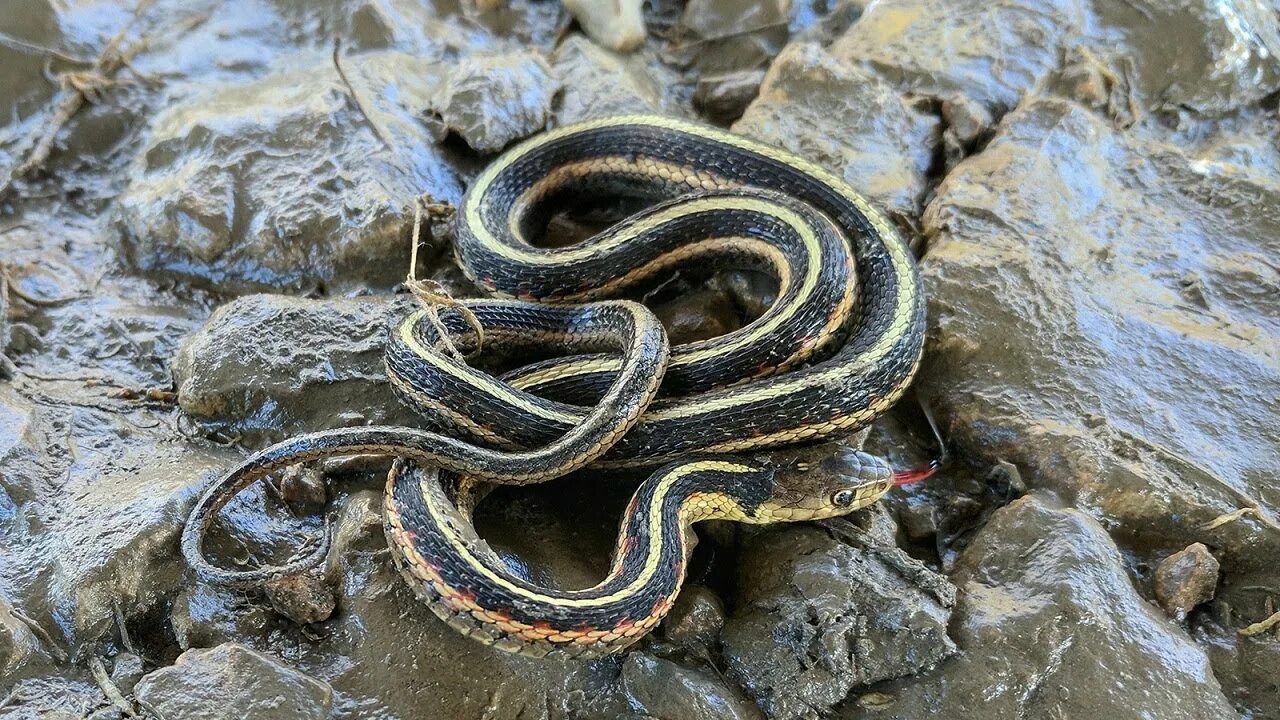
{"type": "Point", "coordinates": [837, 485]}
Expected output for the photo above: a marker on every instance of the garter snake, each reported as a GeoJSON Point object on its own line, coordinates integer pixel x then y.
{"type": "Point", "coordinates": [837, 347]}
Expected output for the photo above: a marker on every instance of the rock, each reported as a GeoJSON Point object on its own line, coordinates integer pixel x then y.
{"type": "Point", "coordinates": [1185, 579]}
{"type": "Point", "coordinates": [21, 651]}
{"type": "Point", "coordinates": [1066, 339]}
{"type": "Point", "coordinates": [724, 97]}
{"type": "Point", "coordinates": [36, 23]}
{"type": "Point", "coordinates": [817, 617]}
{"type": "Point", "coordinates": [663, 689]}
{"type": "Point", "coordinates": [283, 182]}
{"type": "Point", "coordinates": [697, 315]}
{"type": "Point", "coordinates": [494, 100]}
{"type": "Point", "coordinates": [1247, 668]}
{"type": "Point", "coordinates": [52, 698]}
{"type": "Point", "coordinates": [1049, 624]}
{"type": "Point", "coordinates": [615, 24]}
{"type": "Point", "coordinates": [95, 497]}
{"type": "Point", "coordinates": [126, 671]}
{"type": "Point", "coordinates": [695, 620]}
{"type": "Point", "coordinates": [881, 146]}
{"type": "Point", "coordinates": [383, 625]}
{"type": "Point", "coordinates": [233, 682]}
{"type": "Point", "coordinates": [267, 366]}
{"type": "Point", "coordinates": [725, 36]}
{"type": "Point", "coordinates": [205, 615]}
{"type": "Point", "coordinates": [304, 598]}
{"type": "Point", "coordinates": [995, 53]}
{"type": "Point", "coordinates": [596, 83]}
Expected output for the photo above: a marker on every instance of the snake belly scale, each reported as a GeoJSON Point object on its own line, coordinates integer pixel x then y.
{"type": "Point", "coordinates": [838, 346]}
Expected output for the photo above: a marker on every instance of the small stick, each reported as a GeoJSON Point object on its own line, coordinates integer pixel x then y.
{"type": "Point", "coordinates": [109, 688]}
{"type": "Point", "coordinates": [1262, 626]}
{"type": "Point", "coordinates": [40, 632]}
{"type": "Point", "coordinates": [79, 87]}
{"type": "Point", "coordinates": [355, 96]}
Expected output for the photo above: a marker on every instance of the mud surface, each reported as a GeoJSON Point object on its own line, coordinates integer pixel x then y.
{"type": "Point", "coordinates": [202, 257]}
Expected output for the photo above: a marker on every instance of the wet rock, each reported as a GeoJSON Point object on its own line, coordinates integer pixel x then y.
{"type": "Point", "coordinates": [95, 497]}
{"type": "Point", "coordinates": [270, 365]}
{"type": "Point", "coordinates": [21, 651]}
{"type": "Point", "coordinates": [305, 598]}
{"type": "Point", "coordinates": [597, 83]}
{"type": "Point", "coordinates": [126, 671]}
{"type": "Point", "coordinates": [1063, 339]}
{"type": "Point", "coordinates": [205, 615]}
{"type": "Point", "coordinates": [695, 621]}
{"type": "Point", "coordinates": [880, 145]}
{"type": "Point", "coordinates": [51, 698]}
{"type": "Point", "coordinates": [1185, 579]}
{"type": "Point", "coordinates": [233, 682]}
{"type": "Point", "coordinates": [284, 182]}
{"type": "Point", "coordinates": [663, 689]}
{"type": "Point", "coordinates": [724, 97]}
{"type": "Point", "coordinates": [494, 100]}
{"type": "Point", "coordinates": [35, 23]}
{"type": "Point", "coordinates": [615, 24]}
{"type": "Point", "coordinates": [697, 315]}
{"type": "Point", "coordinates": [724, 36]}
{"type": "Point", "coordinates": [817, 618]}
{"type": "Point", "coordinates": [1049, 623]}
{"type": "Point", "coordinates": [383, 625]}
{"type": "Point", "coordinates": [1247, 668]}
{"type": "Point", "coordinates": [994, 53]}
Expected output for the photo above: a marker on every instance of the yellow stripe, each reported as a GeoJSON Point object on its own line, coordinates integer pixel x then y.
{"type": "Point", "coordinates": [484, 382]}
{"type": "Point", "coordinates": [898, 252]}
{"type": "Point", "coordinates": [656, 541]}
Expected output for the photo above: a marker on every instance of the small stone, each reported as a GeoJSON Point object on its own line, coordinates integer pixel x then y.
{"type": "Point", "coordinates": [724, 96]}
{"type": "Point", "coordinates": [696, 619]}
{"type": "Point", "coordinates": [751, 290]}
{"type": "Point", "coordinates": [232, 682]}
{"type": "Point", "coordinates": [969, 120]}
{"type": "Point", "coordinates": [491, 101]}
{"type": "Point", "coordinates": [596, 82]}
{"type": "Point", "coordinates": [304, 598]}
{"type": "Point", "coordinates": [615, 24]}
{"type": "Point", "coordinates": [663, 689]}
{"type": "Point", "coordinates": [1185, 579]}
{"type": "Point", "coordinates": [303, 488]}
{"type": "Point", "coordinates": [697, 315]}
{"type": "Point", "coordinates": [126, 671]}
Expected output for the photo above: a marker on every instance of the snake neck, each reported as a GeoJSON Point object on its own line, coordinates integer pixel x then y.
{"type": "Point", "coordinates": [476, 591]}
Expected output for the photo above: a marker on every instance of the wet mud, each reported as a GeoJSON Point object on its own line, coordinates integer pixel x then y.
{"type": "Point", "coordinates": [206, 210]}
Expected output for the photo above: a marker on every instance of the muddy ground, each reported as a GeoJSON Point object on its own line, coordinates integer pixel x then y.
{"type": "Point", "coordinates": [204, 215]}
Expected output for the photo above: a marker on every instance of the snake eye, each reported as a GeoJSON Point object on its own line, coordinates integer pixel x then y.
{"type": "Point", "coordinates": [842, 498]}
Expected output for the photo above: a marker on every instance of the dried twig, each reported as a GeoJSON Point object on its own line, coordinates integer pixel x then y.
{"type": "Point", "coordinates": [355, 96]}
{"type": "Point", "coordinates": [78, 88]}
{"type": "Point", "coordinates": [109, 688]}
{"type": "Point", "coordinates": [39, 632]}
{"type": "Point", "coordinates": [1230, 517]}
{"type": "Point", "coordinates": [432, 294]}
{"type": "Point", "coordinates": [25, 46]}
{"type": "Point", "coordinates": [1262, 626]}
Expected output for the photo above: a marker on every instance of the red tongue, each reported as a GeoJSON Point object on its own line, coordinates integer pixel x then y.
{"type": "Point", "coordinates": [915, 475]}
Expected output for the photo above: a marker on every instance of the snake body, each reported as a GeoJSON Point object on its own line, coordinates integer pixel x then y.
{"type": "Point", "coordinates": [838, 346]}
